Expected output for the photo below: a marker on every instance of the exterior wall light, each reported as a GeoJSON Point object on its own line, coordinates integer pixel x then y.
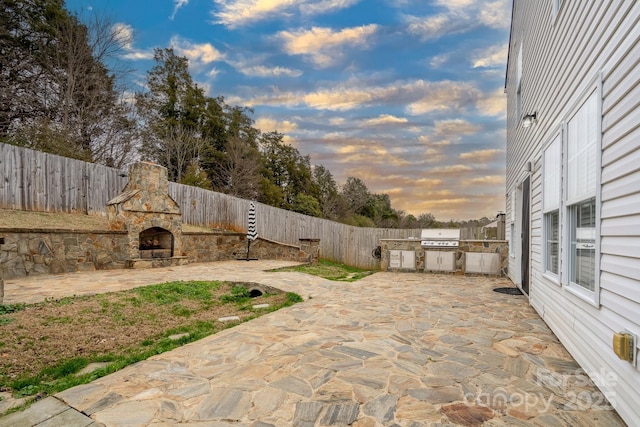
{"type": "Point", "coordinates": [529, 120]}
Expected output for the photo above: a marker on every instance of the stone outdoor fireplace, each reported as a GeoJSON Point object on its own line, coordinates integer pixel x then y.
{"type": "Point", "coordinates": [151, 218]}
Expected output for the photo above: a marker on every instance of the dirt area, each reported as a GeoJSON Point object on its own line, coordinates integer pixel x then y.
{"type": "Point", "coordinates": [121, 323]}
{"type": "Point", "coordinates": [65, 221]}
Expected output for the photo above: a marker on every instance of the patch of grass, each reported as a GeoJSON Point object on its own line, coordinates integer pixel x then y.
{"type": "Point", "coordinates": [49, 379]}
{"type": "Point", "coordinates": [293, 298]}
{"type": "Point", "coordinates": [181, 311]}
{"type": "Point", "coordinates": [172, 292]}
{"type": "Point", "coordinates": [331, 270]}
{"type": "Point", "coordinates": [54, 341]}
{"type": "Point", "coordinates": [238, 294]}
{"type": "Point", "coordinates": [11, 308]}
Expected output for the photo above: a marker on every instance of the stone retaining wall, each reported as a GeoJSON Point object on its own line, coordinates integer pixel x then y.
{"type": "Point", "coordinates": [200, 247]}
{"type": "Point", "coordinates": [33, 252]}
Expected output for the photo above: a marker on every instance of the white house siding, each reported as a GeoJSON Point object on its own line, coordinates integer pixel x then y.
{"type": "Point", "coordinates": [563, 57]}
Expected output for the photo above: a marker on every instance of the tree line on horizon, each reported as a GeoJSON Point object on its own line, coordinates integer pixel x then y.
{"type": "Point", "coordinates": [61, 92]}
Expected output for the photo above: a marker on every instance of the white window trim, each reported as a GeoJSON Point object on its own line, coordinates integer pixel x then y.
{"type": "Point", "coordinates": [549, 275]}
{"type": "Point", "coordinates": [591, 297]}
{"type": "Point", "coordinates": [512, 227]}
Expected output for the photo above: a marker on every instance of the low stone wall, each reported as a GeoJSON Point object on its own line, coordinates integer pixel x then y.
{"type": "Point", "coordinates": [481, 246]}
{"type": "Point", "coordinates": [205, 247]}
{"type": "Point", "coordinates": [33, 252]}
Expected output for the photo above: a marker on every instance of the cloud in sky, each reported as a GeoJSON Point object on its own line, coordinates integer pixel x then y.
{"type": "Point", "coordinates": [324, 46]}
{"type": "Point", "coordinates": [264, 71]}
{"type": "Point", "coordinates": [124, 35]}
{"type": "Point", "coordinates": [422, 96]}
{"type": "Point", "coordinates": [493, 56]}
{"type": "Point", "coordinates": [488, 180]}
{"type": "Point", "coordinates": [440, 60]}
{"type": "Point", "coordinates": [443, 96]}
{"type": "Point", "coordinates": [256, 66]}
{"type": "Point", "coordinates": [455, 128]}
{"type": "Point", "coordinates": [199, 54]}
{"type": "Point", "coordinates": [269, 124]}
{"type": "Point", "coordinates": [177, 4]}
{"type": "Point", "coordinates": [460, 16]}
{"type": "Point", "coordinates": [493, 103]}
{"type": "Point", "coordinates": [385, 119]}
{"type": "Point", "coordinates": [407, 95]}
{"type": "Point", "coordinates": [482, 156]}
{"type": "Point", "coordinates": [237, 13]}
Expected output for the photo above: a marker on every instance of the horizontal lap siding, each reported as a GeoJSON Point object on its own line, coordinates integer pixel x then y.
{"type": "Point", "coordinates": [563, 59]}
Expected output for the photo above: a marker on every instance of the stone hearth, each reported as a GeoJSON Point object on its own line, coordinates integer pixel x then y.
{"type": "Point", "coordinates": [151, 218]}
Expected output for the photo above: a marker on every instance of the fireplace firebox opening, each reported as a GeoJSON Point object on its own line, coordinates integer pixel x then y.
{"type": "Point", "coordinates": [156, 242]}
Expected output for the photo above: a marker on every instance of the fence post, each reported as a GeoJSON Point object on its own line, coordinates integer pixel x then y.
{"type": "Point", "coordinates": [85, 188]}
{"type": "Point", "coordinates": [1, 277]}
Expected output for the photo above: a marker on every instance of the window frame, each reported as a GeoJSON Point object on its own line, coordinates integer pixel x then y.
{"type": "Point", "coordinates": [547, 211]}
{"type": "Point", "coordinates": [512, 225]}
{"type": "Point", "coordinates": [591, 297]}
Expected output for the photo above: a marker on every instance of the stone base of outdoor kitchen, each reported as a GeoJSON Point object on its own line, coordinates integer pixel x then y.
{"type": "Point", "coordinates": [157, 262]}
{"type": "Point", "coordinates": [500, 248]}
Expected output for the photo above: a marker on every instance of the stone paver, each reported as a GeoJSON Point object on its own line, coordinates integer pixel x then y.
{"type": "Point", "coordinates": [392, 349]}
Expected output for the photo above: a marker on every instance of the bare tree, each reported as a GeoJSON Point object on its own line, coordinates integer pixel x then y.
{"type": "Point", "coordinates": [177, 148]}
{"type": "Point", "coordinates": [60, 95]}
{"type": "Point", "coordinates": [239, 171]}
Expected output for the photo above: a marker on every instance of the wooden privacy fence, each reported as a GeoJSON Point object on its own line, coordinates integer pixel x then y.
{"type": "Point", "coordinates": [36, 181]}
{"type": "Point", "coordinates": [339, 242]}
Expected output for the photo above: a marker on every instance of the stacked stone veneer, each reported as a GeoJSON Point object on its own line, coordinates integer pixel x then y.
{"type": "Point", "coordinates": [484, 246]}
{"type": "Point", "coordinates": [226, 246]}
{"type": "Point", "coordinates": [34, 252]}
{"type": "Point", "coordinates": [310, 251]}
{"type": "Point", "coordinates": [487, 246]}
{"type": "Point", "coordinates": [145, 203]}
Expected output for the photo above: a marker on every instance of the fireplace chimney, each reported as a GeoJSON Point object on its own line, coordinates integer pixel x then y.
{"type": "Point", "coordinates": [144, 206]}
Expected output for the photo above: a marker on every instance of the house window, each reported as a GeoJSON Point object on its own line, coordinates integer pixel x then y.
{"type": "Point", "coordinates": [551, 193]}
{"type": "Point", "coordinates": [582, 151]}
{"type": "Point", "coordinates": [583, 244]}
{"type": "Point", "coordinates": [552, 233]}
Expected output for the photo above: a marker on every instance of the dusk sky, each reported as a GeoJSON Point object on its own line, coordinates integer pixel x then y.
{"type": "Point", "coordinates": [407, 95]}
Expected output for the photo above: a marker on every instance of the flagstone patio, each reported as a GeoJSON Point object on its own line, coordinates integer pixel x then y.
{"type": "Point", "coordinates": [392, 349]}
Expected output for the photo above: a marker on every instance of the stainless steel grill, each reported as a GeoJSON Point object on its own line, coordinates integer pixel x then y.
{"type": "Point", "coordinates": [440, 238]}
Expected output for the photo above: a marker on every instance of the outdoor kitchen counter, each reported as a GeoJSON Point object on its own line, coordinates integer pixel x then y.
{"type": "Point", "coordinates": [413, 254]}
